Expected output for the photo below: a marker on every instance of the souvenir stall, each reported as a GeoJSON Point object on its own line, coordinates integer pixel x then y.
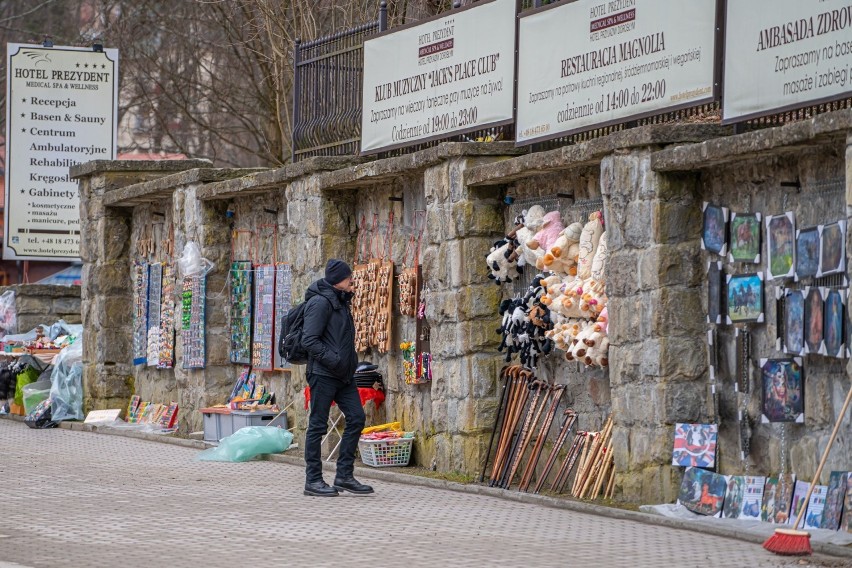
{"type": "Point", "coordinates": [776, 304]}
{"type": "Point", "coordinates": [551, 265]}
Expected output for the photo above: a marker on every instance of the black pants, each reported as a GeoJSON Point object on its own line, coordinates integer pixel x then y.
{"type": "Point", "coordinates": [324, 391]}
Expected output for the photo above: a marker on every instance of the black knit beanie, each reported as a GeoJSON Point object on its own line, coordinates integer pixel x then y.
{"type": "Point", "coordinates": [336, 271]}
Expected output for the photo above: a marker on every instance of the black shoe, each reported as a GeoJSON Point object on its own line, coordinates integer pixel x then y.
{"type": "Point", "coordinates": [320, 489]}
{"type": "Point", "coordinates": [352, 485]}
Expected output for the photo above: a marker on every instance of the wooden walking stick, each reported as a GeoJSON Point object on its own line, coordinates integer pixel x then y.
{"type": "Point", "coordinates": [503, 395]}
{"type": "Point", "coordinates": [567, 424]}
{"type": "Point", "coordinates": [793, 542]}
{"type": "Point", "coordinates": [525, 436]}
{"type": "Point", "coordinates": [591, 438]}
{"type": "Point", "coordinates": [507, 414]}
{"type": "Point", "coordinates": [506, 439]}
{"type": "Point", "coordinates": [535, 455]}
{"type": "Point", "coordinates": [597, 459]}
{"type": "Point", "coordinates": [572, 454]}
{"type": "Point", "coordinates": [610, 487]}
{"type": "Point", "coordinates": [607, 463]}
{"type": "Point", "coordinates": [584, 437]}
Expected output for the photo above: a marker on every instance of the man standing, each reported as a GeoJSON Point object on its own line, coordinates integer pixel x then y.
{"type": "Point", "coordinates": [328, 336]}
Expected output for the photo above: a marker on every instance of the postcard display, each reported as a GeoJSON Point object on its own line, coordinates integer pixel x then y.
{"type": "Point", "coordinates": [264, 317]}
{"type": "Point", "coordinates": [193, 322]}
{"type": "Point", "coordinates": [241, 311]}
{"type": "Point", "coordinates": [753, 259]}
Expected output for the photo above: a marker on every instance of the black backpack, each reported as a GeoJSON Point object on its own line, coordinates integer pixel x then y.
{"type": "Point", "coordinates": [290, 341]}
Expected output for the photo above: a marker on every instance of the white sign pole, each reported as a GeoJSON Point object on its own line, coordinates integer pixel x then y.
{"type": "Point", "coordinates": [61, 110]}
{"type": "Point", "coordinates": [785, 54]}
{"type": "Point", "coordinates": [592, 63]}
{"type": "Point", "coordinates": [449, 75]}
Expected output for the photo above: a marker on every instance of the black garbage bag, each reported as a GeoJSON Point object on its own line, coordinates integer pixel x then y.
{"type": "Point", "coordinates": [41, 416]}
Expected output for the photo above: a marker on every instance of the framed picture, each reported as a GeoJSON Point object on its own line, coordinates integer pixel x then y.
{"type": "Point", "coordinates": [816, 507]}
{"type": "Point", "coordinates": [777, 498]}
{"type": "Point", "coordinates": [834, 334]}
{"type": "Point", "coordinates": [733, 507]}
{"type": "Point", "coordinates": [714, 292]}
{"type": "Point", "coordinates": [783, 390]}
{"type": "Point", "coordinates": [745, 237]}
{"type": "Point", "coordinates": [832, 250]}
{"type": "Point", "coordinates": [745, 298]}
{"type": "Point", "coordinates": [807, 253]}
{"type": "Point", "coordinates": [834, 501]}
{"type": "Point", "coordinates": [714, 231]}
{"type": "Point", "coordinates": [813, 319]}
{"type": "Point", "coordinates": [780, 248]}
{"type": "Point", "coordinates": [794, 322]}
{"type": "Point", "coordinates": [695, 445]}
{"type": "Point", "coordinates": [753, 499]}
{"type": "Point", "coordinates": [846, 520]}
{"type": "Point", "coordinates": [703, 491]}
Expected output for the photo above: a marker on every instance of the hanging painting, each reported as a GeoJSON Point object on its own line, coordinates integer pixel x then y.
{"type": "Point", "coordinates": [783, 390]}
{"type": "Point", "coordinates": [745, 298]}
{"type": "Point", "coordinates": [794, 322]}
{"type": "Point", "coordinates": [745, 237]}
{"type": "Point", "coordinates": [834, 501]}
{"type": "Point", "coordinates": [715, 229]}
{"type": "Point", "coordinates": [813, 320]}
{"type": "Point", "coordinates": [702, 491]}
{"type": "Point", "coordinates": [832, 250]}
{"type": "Point", "coordinates": [734, 497]}
{"type": "Point", "coordinates": [714, 292]}
{"type": "Point", "coordinates": [695, 445]}
{"type": "Point", "coordinates": [834, 320]}
{"type": "Point", "coordinates": [807, 253]}
{"type": "Point", "coordinates": [777, 497]}
{"type": "Point", "coordinates": [780, 246]}
{"type": "Point", "coordinates": [753, 498]}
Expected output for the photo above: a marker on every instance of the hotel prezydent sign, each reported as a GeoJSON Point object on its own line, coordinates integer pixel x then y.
{"type": "Point", "coordinates": [61, 110]}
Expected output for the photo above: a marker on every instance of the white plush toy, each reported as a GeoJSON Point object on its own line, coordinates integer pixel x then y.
{"type": "Point", "coordinates": [501, 268]}
{"type": "Point", "coordinates": [562, 256]}
{"type": "Point", "coordinates": [533, 219]}
{"type": "Point", "coordinates": [599, 262]}
{"type": "Point", "coordinates": [588, 245]}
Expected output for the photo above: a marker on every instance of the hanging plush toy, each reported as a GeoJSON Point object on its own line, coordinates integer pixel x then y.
{"type": "Point", "coordinates": [501, 268]}
{"type": "Point", "coordinates": [547, 236]}
{"type": "Point", "coordinates": [532, 221]}
{"type": "Point", "coordinates": [599, 262]}
{"type": "Point", "coordinates": [589, 240]}
{"type": "Point", "coordinates": [562, 256]}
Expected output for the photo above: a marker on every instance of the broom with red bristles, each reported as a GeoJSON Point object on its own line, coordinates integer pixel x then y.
{"type": "Point", "coordinates": [793, 542]}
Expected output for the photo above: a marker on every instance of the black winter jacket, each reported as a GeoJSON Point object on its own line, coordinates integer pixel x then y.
{"type": "Point", "coordinates": [328, 334]}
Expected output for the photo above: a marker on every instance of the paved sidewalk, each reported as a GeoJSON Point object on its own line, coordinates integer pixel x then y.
{"type": "Point", "coordinates": [81, 499]}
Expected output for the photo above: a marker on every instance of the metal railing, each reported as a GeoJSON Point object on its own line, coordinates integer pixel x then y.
{"type": "Point", "coordinates": [327, 83]}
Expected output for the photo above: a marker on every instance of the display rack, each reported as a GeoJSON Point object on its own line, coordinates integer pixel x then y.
{"type": "Point", "coordinates": [140, 313]}
{"type": "Point", "coordinates": [155, 298]}
{"type": "Point", "coordinates": [264, 317]}
{"type": "Point", "coordinates": [241, 311]}
{"type": "Point", "coordinates": [283, 302]}
{"type": "Point", "coordinates": [166, 359]}
{"type": "Point", "coordinates": [194, 322]}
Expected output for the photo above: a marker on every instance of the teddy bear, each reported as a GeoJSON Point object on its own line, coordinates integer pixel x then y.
{"type": "Point", "coordinates": [589, 240]}
{"type": "Point", "coordinates": [501, 268]}
{"type": "Point", "coordinates": [562, 256]}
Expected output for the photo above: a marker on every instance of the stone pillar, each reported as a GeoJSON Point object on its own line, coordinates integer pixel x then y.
{"type": "Point", "coordinates": [106, 283]}
{"type": "Point", "coordinates": [462, 224]}
{"type": "Point", "coordinates": [658, 360]}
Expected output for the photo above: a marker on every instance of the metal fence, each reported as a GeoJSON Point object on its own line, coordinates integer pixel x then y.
{"type": "Point", "coordinates": [327, 84]}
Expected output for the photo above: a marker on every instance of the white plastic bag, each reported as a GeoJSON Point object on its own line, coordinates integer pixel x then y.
{"type": "Point", "coordinates": [66, 391]}
{"type": "Point", "coordinates": [191, 263]}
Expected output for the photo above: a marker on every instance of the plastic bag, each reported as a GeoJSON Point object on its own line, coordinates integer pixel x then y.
{"type": "Point", "coordinates": [8, 313]}
{"type": "Point", "coordinates": [24, 378]}
{"type": "Point", "coordinates": [247, 443]}
{"type": "Point", "coordinates": [66, 390]}
{"type": "Point", "coordinates": [40, 417]}
{"type": "Point", "coordinates": [34, 393]}
{"type": "Point", "coordinates": [191, 263]}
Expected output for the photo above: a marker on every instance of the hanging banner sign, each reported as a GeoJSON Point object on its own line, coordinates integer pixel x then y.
{"type": "Point", "coordinates": [449, 75]}
{"type": "Point", "coordinates": [592, 63]}
{"type": "Point", "coordinates": [61, 110]}
{"type": "Point", "coordinates": [785, 54]}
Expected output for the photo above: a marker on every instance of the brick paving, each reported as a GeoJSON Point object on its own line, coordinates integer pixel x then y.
{"type": "Point", "coordinates": [81, 499]}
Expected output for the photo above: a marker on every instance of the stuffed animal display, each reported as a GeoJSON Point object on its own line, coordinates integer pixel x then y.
{"type": "Point", "coordinates": [565, 307]}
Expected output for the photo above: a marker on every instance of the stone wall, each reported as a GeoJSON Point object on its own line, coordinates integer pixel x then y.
{"type": "Point", "coordinates": [652, 182]}
{"type": "Point", "coordinates": [37, 304]}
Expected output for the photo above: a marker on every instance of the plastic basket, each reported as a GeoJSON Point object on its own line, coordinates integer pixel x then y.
{"type": "Point", "coordinates": [385, 453]}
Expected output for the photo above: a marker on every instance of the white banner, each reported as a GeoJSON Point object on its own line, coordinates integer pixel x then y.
{"type": "Point", "coordinates": [593, 62]}
{"type": "Point", "coordinates": [449, 75]}
{"type": "Point", "coordinates": [784, 54]}
{"type": "Point", "coordinates": [61, 110]}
